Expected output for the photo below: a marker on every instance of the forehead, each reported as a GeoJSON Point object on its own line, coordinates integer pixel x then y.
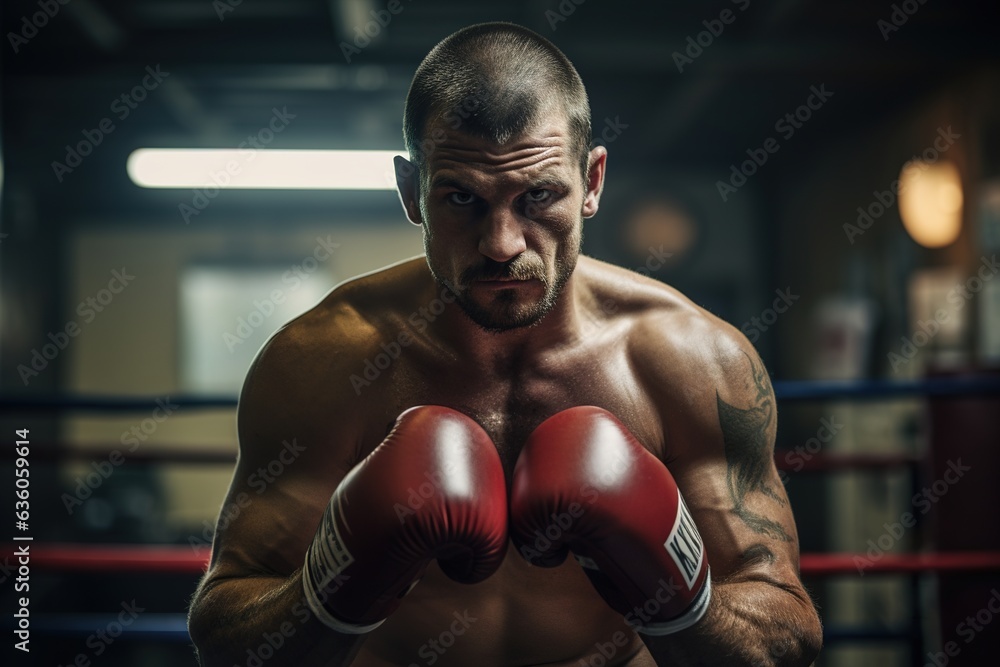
{"type": "Point", "coordinates": [543, 149]}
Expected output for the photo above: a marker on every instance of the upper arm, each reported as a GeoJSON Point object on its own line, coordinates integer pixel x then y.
{"type": "Point", "coordinates": [299, 430]}
{"type": "Point", "coordinates": [720, 421]}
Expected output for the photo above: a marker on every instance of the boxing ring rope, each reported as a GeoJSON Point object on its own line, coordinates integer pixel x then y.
{"type": "Point", "coordinates": [60, 558]}
{"type": "Point", "coordinates": [193, 561]}
{"type": "Point", "coordinates": [108, 403]}
{"type": "Point", "coordinates": [814, 390]}
{"type": "Point", "coordinates": [784, 390]}
{"type": "Point", "coordinates": [146, 627]}
{"type": "Point", "coordinates": [823, 462]}
{"type": "Point", "coordinates": [62, 453]}
{"type": "Point", "coordinates": [181, 559]}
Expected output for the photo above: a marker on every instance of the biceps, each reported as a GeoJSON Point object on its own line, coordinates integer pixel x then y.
{"type": "Point", "coordinates": [755, 529]}
{"type": "Point", "coordinates": [265, 528]}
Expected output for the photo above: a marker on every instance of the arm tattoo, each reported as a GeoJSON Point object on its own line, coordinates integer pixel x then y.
{"type": "Point", "coordinates": [748, 453]}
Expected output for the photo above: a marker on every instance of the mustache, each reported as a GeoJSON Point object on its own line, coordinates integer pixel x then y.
{"type": "Point", "coordinates": [517, 269]}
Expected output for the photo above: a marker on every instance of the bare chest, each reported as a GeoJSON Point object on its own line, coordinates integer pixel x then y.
{"type": "Point", "coordinates": [509, 403]}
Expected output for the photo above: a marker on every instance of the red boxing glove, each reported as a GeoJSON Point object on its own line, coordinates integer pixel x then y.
{"type": "Point", "coordinates": [434, 488]}
{"type": "Point", "coordinates": [583, 482]}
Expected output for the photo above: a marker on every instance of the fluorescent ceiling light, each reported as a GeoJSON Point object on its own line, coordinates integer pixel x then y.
{"type": "Point", "coordinates": [262, 169]}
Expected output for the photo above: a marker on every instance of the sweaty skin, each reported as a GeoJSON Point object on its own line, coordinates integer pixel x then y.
{"type": "Point", "coordinates": [690, 387]}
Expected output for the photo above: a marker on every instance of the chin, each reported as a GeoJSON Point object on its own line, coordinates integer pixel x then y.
{"type": "Point", "coordinates": [499, 326]}
{"type": "Point", "coordinates": [502, 317]}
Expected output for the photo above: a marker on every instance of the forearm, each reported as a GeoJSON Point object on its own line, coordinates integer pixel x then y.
{"type": "Point", "coordinates": [234, 616]}
{"type": "Point", "coordinates": [748, 623]}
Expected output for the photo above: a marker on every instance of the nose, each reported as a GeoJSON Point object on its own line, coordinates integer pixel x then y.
{"type": "Point", "coordinates": [502, 237]}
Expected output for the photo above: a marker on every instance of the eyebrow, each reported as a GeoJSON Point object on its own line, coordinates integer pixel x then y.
{"type": "Point", "coordinates": [448, 182]}
{"type": "Point", "coordinates": [540, 182]}
{"type": "Point", "coordinates": [543, 181]}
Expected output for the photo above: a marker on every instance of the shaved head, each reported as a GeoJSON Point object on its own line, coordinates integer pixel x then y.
{"type": "Point", "coordinates": [493, 81]}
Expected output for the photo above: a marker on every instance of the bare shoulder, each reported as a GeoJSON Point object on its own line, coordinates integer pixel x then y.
{"type": "Point", "coordinates": [300, 379]}
{"type": "Point", "coordinates": [685, 355]}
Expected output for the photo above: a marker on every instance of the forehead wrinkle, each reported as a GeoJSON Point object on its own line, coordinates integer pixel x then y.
{"type": "Point", "coordinates": [476, 175]}
{"type": "Point", "coordinates": [462, 144]}
{"type": "Point", "coordinates": [465, 160]}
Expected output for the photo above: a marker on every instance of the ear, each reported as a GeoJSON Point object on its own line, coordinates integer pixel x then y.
{"type": "Point", "coordinates": [595, 180]}
{"type": "Point", "coordinates": [408, 186]}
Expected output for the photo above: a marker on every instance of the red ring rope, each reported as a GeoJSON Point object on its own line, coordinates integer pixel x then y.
{"type": "Point", "coordinates": [193, 560]}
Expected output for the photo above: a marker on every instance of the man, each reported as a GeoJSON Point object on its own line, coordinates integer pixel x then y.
{"type": "Point", "coordinates": [603, 410]}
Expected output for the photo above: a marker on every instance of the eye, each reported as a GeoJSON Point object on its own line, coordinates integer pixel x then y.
{"type": "Point", "coordinates": [538, 196]}
{"type": "Point", "coordinates": [460, 198]}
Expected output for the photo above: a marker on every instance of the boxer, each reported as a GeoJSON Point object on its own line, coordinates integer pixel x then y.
{"type": "Point", "coordinates": [512, 454]}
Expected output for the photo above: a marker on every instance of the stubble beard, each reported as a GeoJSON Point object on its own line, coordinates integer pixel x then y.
{"type": "Point", "coordinates": [503, 313]}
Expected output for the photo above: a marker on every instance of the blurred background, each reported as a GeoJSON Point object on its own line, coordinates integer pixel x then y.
{"type": "Point", "coordinates": [824, 176]}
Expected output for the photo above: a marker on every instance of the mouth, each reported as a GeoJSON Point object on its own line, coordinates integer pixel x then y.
{"type": "Point", "coordinates": [504, 283]}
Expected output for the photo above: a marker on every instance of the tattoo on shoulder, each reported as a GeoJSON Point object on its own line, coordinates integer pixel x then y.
{"type": "Point", "coordinates": [748, 453]}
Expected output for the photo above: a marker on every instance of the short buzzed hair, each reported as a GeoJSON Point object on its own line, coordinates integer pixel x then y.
{"type": "Point", "coordinates": [491, 80]}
